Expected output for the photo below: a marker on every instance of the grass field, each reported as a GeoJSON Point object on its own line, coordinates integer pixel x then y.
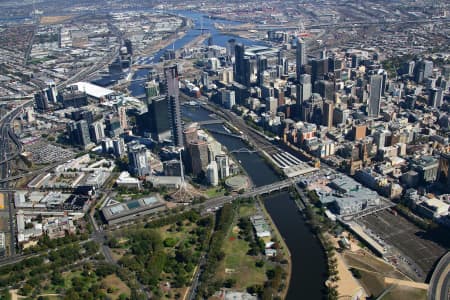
{"type": "Point", "coordinates": [117, 285]}
{"type": "Point", "coordinates": [237, 264]}
{"type": "Point", "coordinates": [213, 192]}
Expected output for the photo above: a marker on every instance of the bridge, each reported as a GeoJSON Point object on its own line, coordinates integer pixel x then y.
{"type": "Point", "coordinates": [369, 211]}
{"type": "Point", "coordinates": [258, 191]}
{"type": "Point", "coordinates": [243, 150]}
{"type": "Point", "coordinates": [440, 280]}
{"type": "Point", "coordinates": [210, 122]}
{"type": "Point", "coordinates": [225, 133]}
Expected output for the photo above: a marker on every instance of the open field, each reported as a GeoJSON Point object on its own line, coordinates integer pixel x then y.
{"type": "Point", "coordinates": [237, 264]}
{"type": "Point", "coordinates": [402, 292]}
{"type": "Point", "coordinates": [373, 277]}
{"type": "Point", "coordinates": [117, 285]}
{"type": "Point", "coordinates": [48, 20]}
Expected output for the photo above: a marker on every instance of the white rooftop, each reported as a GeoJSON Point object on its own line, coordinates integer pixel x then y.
{"type": "Point", "coordinates": [92, 89]}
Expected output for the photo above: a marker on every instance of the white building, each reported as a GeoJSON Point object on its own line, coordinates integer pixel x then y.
{"type": "Point", "coordinates": [212, 174]}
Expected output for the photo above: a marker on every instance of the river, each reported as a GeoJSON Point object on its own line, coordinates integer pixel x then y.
{"type": "Point", "coordinates": [200, 21]}
{"type": "Point", "coordinates": [308, 259]}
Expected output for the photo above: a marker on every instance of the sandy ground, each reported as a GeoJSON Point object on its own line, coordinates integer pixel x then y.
{"type": "Point", "coordinates": [417, 285]}
{"type": "Point", "coordinates": [347, 284]}
{"type": "Point", "coordinates": [2, 201]}
{"type": "Point", "coordinates": [54, 19]}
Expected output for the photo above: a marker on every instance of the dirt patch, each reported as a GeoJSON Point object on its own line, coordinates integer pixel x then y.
{"type": "Point", "coordinates": [47, 20]}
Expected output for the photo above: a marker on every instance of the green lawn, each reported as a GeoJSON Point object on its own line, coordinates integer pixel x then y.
{"type": "Point", "coordinates": [213, 192]}
{"type": "Point", "coordinates": [244, 271]}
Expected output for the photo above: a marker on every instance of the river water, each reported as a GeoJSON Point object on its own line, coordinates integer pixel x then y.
{"type": "Point", "coordinates": [308, 259]}
{"type": "Point", "coordinates": [200, 22]}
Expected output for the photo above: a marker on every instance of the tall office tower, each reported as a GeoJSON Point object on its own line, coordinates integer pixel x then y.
{"type": "Point", "coordinates": [41, 101]}
{"type": "Point", "coordinates": [428, 68]}
{"type": "Point", "coordinates": [107, 145]}
{"type": "Point", "coordinates": [228, 99]}
{"type": "Point", "coordinates": [407, 68]}
{"type": "Point", "coordinates": [328, 110]}
{"type": "Point", "coordinates": [198, 156]}
{"type": "Point", "coordinates": [151, 89]}
{"type": "Point", "coordinates": [248, 71]}
{"type": "Point", "coordinates": [122, 111]}
{"type": "Point", "coordinates": [319, 67]}
{"type": "Point", "coordinates": [239, 64]}
{"type": "Point", "coordinates": [422, 70]}
{"type": "Point", "coordinates": [129, 46]}
{"type": "Point", "coordinates": [118, 147]}
{"type": "Point", "coordinates": [436, 97]}
{"type": "Point", "coordinates": [384, 82]}
{"type": "Point", "coordinates": [171, 76]}
{"type": "Point", "coordinates": [356, 59]}
{"type": "Point", "coordinates": [205, 80]}
{"type": "Point", "coordinates": [158, 108]}
{"type": "Point", "coordinates": [112, 126]}
{"type": "Point", "coordinates": [84, 138]}
{"type": "Point", "coordinates": [271, 105]}
{"type": "Point", "coordinates": [190, 134]}
{"type": "Point", "coordinates": [300, 57]}
{"type": "Point", "coordinates": [97, 132]}
{"type": "Point", "coordinates": [260, 68]}
{"type": "Point", "coordinates": [303, 92]}
{"type": "Point", "coordinates": [223, 164]}
{"type": "Point", "coordinates": [326, 89]}
{"type": "Point", "coordinates": [137, 159]}
{"type": "Point", "coordinates": [52, 91]}
{"type": "Point", "coordinates": [231, 45]}
{"type": "Point", "coordinates": [72, 132]}
{"type": "Point", "coordinates": [212, 174]}
{"type": "Point", "coordinates": [376, 84]}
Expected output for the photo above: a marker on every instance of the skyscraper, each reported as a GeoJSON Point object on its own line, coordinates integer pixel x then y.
{"type": "Point", "coordinates": [435, 98]}
{"type": "Point", "coordinates": [84, 138]}
{"type": "Point", "coordinates": [228, 98]}
{"type": "Point", "coordinates": [97, 131]}
{"type": "Point", "coordinates": [212, 174]}
{"type": "Point", "coordinates": [122, 111]}
{"type": "Point", "coordinates": [137, 159]}
{"type": "Point", "coordinates": [176, 127]}
{"type": "Point", "coordinates": [328, 110]}
{"type": "Point", "coordinates": [41, 101]}
{"type": "Point", "coordinates": [223, 166]}
{"type": "Point", "coordinates": [261, 67]}
{"type": "Point", "coordinates": [198, 156]}
{"type": "Point", "coordinates": [239, 64]}
{"type": "Point", "coordinates": [158, 108]}
{"type": "Point", "coordinates": [300, 57]}
{"type": "Point", "coordinates": [52, 91]}
{"type": "Point", "coordinates": [373, 107]}
{"type": "Point", "coordinates": [231, 47]}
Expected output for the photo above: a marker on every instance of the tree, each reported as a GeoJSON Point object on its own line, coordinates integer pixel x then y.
{"type": "Point", "coordinates": [229, 283]}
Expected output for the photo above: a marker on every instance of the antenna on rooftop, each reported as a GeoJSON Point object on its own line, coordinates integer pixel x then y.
{"type": "Point", "coordinates": [184, 193]}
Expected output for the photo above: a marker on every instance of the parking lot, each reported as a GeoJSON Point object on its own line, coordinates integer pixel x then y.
{"type": "Point", "coordinates": [409, 247]}
{"type": "Point", "coordinates": [44, 153]}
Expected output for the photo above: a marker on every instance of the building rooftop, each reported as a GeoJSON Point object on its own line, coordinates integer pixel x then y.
{"type": "Point", "coordinates": [93, 90]}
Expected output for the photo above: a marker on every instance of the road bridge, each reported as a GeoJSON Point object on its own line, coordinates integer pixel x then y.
{"type": "Point", "coordinates": [440, 280]}
{"type": "Point", "coordinates": [210, 122]}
